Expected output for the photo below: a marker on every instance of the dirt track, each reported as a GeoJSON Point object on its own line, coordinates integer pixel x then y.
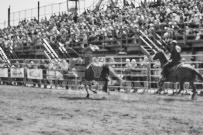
{"type": "Point", "coordinates": [33, 111]}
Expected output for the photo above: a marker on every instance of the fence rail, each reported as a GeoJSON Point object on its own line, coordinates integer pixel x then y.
{"type": "Point", "coordinates": [37, 73]}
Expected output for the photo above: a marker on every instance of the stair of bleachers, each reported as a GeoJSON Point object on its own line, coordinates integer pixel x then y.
{"type": "Point", "coordinates": [49, 50]}
{"type": "Point", "coordinates": [112, 29]}
{"type": "Point", "coordinates": [148, 47]}
{"type": "Point", "coordinates": [3, 56]}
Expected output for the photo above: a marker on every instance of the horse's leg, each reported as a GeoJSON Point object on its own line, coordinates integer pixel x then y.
{"type": "Point", "coordinates": [51, 83]}
{"type": "Point", "coordinates": [87, 96]}
{"type": "Point", "coordinates": [194, 92]}
{"type": "Point", "coordinates": [160, 86]}
{"type": "Point", "coordinates": [105, 86]}
{"type": "Point", "coordinates": [181, 87]}
{"type": "Point", "coordinates": [174, 87]}
{"type": "Point", "coordinates": [65, 83]}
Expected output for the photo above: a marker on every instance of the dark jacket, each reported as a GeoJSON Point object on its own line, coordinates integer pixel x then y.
{"type": "Point", "coordinates": [175, 54]}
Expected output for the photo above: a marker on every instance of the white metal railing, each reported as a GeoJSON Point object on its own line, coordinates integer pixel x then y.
{"type": "Point", "coordinates": [142, 76]}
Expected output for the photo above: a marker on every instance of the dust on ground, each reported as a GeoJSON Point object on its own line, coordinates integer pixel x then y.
{"type": "Point", "coordinates": [34, 111]}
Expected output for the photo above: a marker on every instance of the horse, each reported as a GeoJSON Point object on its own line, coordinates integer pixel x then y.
{"type": "Point", "coordinates": [93, 72]}
{"type": "Point", "coordinates": [179, 73]}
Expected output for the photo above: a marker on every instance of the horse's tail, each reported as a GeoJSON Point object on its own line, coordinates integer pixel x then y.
{"type": "Point", "coordinates": [199, 75]}
{"type": "Point", "coordinates": [113, 75]}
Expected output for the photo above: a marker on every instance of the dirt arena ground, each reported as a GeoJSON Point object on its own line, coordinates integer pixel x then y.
{"type": "Point", "coordinates": [34, 111]}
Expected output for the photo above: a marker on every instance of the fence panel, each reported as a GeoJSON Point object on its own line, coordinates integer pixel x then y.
{"type": "Point", "coordinates": [47, 74]}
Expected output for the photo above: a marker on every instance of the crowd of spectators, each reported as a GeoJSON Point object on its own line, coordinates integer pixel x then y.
{"type": "Point", "coordinates": [111, 24]}
{"type": "Point", "coordinates": [169, 17]}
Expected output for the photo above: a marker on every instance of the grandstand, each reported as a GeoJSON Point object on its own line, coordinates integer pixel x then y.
{"type": "Point", "coordinates": [135, 30]}
{"type": "Point", "coordinates": [118, 29]}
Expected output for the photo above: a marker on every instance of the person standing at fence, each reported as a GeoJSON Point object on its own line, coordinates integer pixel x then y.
{"type": "Point", "coordinates": [44, 66]}
{"type": "Point", "coordinates": [133, 64]}
{"type": "Point", "coordinates": [89, 53]}
{"type": "Point", "coordinates": [31, 82]}
{"type": "Point", "coordinates": [49, 77]}
{"type": "Point", "coordinates": [133, 75]}
{"type": "Point", "coordinates": [17, 81]}
{"type": "Point", "coordinates": [54, 75]}
{"type": "Point", "coordinates": [64, 68]}
{"type": "Point", "coordinates": [145, 65]}
{"type": "Point", "coordinates": [112, 63]}
{"type": "Point", "coordinates": [155, 73]}
{"type": "Point", "coordinates": [127, 69]}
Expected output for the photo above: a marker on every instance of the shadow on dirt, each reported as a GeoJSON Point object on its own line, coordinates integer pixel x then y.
{"type": "Point", "coordinates": [112, 99]}
{"type": "Point", "coordinates": [83, 98]}
{"type": "Point", "coordinates": [176, 99]}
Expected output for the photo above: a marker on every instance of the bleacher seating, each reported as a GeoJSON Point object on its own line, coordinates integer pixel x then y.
{"type": "Point", "coordinates": [112, 30]}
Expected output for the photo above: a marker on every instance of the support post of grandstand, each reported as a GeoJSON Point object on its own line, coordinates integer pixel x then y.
{"type": "Point", "coordinates": [38, 9]}
{"type": "Point", "coordinates": [153, 44]}
{"type": "Point", "coordinates": [9, 16]}
{"type": "Point", "coordinates": [67, 5]}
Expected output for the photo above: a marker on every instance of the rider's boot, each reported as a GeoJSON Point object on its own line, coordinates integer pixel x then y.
{"type": "Point", "coordinates": [164, 78]}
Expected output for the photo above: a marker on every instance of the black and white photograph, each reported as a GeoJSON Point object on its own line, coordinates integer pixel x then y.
{"type": "Point", "coordinates": [101, 67]}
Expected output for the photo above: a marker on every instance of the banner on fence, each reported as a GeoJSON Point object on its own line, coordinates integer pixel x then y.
{"type": "Point", "coordinates": [34, 73]}
{"type": "Point", "coordinates": [17, 72]}
{"type": "Point", "coordinates": [54, 75]}
{"type": "Point", "coordinates": [3, 72]}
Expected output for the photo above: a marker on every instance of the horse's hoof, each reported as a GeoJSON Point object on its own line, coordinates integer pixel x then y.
{"type": "Point", "coordinates": [108, 93]}
{"type": "Point", "coordinates": [178, 94]}
{"type": "Point", "coordinates": [105, 91]}
{"type": "Point", "coordinates": [193, 97]}
{"type": "Point", "coordinates": [87, 96]}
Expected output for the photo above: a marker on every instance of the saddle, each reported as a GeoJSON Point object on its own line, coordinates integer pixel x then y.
{"type": "Point", "coordinates": [97, 69]}
{"type": "Point", "coordinates": [165, 74]}
{"type": "Point", "coordinates": [94, 64]}
{"type": "Point", "coordinates": [175, 67]}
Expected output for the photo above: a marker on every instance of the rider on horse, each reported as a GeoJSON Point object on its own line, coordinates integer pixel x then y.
{"type": "Point", "coordinates": [175, 59]}
{"type": "Point", "coordinates": [89, 53]}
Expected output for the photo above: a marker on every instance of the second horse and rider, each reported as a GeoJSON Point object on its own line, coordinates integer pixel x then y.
{"type": "Point", "coordinates": [175, 59]}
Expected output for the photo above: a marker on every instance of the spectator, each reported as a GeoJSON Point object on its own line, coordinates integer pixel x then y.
{"type": "Point", "coordinates": [127, 69]}
{"type": "Point", "coordinates": [128, 64]}
{"type": "Point", "coordinates": [44, 66]}
{"type": "Point", "coordinates": [133, 64]}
